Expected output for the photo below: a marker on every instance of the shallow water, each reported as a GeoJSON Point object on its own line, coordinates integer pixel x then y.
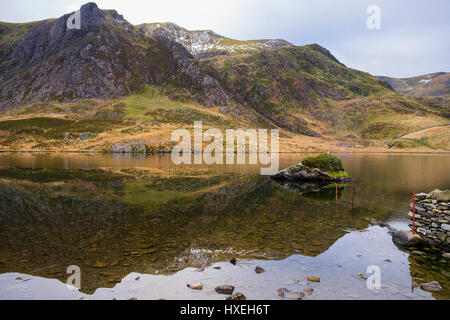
{"type": "Point", "coordinates": [122, 218]}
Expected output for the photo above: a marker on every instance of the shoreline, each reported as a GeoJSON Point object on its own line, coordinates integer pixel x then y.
{"type": "Point", "coordinates": [169, 152]}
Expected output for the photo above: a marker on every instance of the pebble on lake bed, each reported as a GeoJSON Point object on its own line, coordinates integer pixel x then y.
{"type": "Point", "coordinates": [259, 270]}
{"type": "Point", "coordinates": [313, 279]}
{"type": "Point", "coordinates": [281, 292]}
{"type": "Point", "coordinates": [195, 286]}
{"type": "Point", "coordinates": [99, 265]}
{"type": "Point", "coordinates": [237, 297]}
{"type": "Point", "coordinates": [296, 295]}
{"type": "Point", "coordinates": [431, 287]}
{"type": "Point", "coordinates": [225, 289]}
{"type": "Point", "coordinates": [309, 291]}
{"type": "Point", "coordinates": [361, 276]}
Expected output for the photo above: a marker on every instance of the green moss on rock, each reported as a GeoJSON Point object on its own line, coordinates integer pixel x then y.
{"type": "Point", "coordinates": [324, 161]}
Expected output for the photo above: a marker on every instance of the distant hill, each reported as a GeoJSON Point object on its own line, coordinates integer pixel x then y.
{"type": "Point", "coordinates": [435, 86]}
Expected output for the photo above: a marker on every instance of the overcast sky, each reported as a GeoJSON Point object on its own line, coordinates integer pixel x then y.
{"type": "Point", "coordinates": [413, 39]}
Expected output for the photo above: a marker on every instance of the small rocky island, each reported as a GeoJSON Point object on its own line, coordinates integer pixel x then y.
{"type": "Point", "coordinates": [323, 168]}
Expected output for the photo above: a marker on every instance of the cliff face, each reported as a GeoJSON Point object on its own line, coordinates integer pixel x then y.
{"type": "Point", "coordinates": [106, 58]}
{"type": "Point", "coordinates": [206, 43]}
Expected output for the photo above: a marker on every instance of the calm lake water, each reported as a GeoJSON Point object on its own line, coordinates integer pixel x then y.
{"type": "Point", "coordinates": [141, 227]}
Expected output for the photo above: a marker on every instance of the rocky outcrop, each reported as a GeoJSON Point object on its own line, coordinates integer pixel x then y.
{"type": "Point", "coordinates": [207, 43]}
{"type": "Point", "coordinates": [129, 146]}
{"type": "Point", "coordinates": [407, 239]}
{"type": "Point", "coordinates": [106, 58]}
{"type": "Point", "coordinates": [432, 218]}
{"type": "Point", "coordinates": [301, 173]}
{"type": "Point", "coordinates": [99, 60]}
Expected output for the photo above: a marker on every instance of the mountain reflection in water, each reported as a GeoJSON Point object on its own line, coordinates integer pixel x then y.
{"type": "Point", "coordinates": [112, 221]}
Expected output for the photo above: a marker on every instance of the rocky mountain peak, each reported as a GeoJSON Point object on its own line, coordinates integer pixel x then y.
{"type": "Point", "coordinates": [206, 43]}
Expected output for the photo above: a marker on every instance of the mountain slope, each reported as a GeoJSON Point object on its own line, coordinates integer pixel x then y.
{"type": "Point", "coordinates": [117, 80]}
{"type": "Point", "coordinates": [107, 58]}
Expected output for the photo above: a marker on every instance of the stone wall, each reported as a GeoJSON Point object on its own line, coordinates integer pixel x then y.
{"type": "Point", "coordinates": [432, 220]}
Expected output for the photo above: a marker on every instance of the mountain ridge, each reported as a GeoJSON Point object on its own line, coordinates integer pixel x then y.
{"type": "Point", "coordinates": [304, 90]}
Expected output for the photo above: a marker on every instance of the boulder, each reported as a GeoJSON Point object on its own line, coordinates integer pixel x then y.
{"type": "Point", "coordinates": [130, 146]}
{"type": "Point", "coordinates": [431, 287]}
{"type": "Point", "coordinates": [301, 173]}
{"type": "Point", "coordinates": [407, 239]}
{"type": "Point", "coordinates": [440, 195]}
{"type": "Point", "coordinates": [323, 168]}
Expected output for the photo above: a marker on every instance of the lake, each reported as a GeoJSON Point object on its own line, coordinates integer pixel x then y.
{"type": "Point", "coordinates": [141, 227]}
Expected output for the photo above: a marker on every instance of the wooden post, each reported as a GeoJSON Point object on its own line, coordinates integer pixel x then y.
{"type": "Point", "coordinates": [414, 214]}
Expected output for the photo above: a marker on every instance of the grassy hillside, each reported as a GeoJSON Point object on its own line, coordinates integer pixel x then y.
{"type": "Point", "coordinates": [95, 125]}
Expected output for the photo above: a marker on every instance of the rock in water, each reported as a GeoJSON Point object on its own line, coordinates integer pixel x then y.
{"type": "Point", "coordinates": [313, 279]}
{"type": "Point", "coordinates": [129, 146]}
{"type": "Point", "coordinates": [361, 276]}
{"type": "Point", "coordinates": [225, 289]}
{"type": "Point", "coordinates": [323, 168]}
{"type": "Point", "coordinates": [440, 195]}
{"type": "Point", "coordinates": [237, 297]}
{"type": "Point", "coordinates": [407, 239]}
{"type": "Point", "coordinates": [431, 287]}
{"type": "Point", "coordinates": [259, 270]}
{"type": "Point", "coordinates": [281, 292]}
{"type": "Point", "coordinates": [309, 291]}
{"type": "Point", "coordinates": [296, 295]}
{"type": "Point", "coordinates": [195, 286]}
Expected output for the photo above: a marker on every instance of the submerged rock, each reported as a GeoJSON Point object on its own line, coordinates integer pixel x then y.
{"type": "Point", "coordinates": [431, 287]}
{"type": "Point", "coordinates": [313, 279]}
{"type": "Point", "coordinates": [259, 270]}
{"type": "Point", "coordinates": [361, 276]}
{"type": "Point", "coordinates": [99, 265]}
{"type": "Point", "coordinates": [296, 295]}
{"type": "Point", "coordinates": [237, 297]}
{"type": "Point", "coordinates": [308, 291]}
{"type": "Point", "coordinates": [225, 289]}
{"type": "Point", "coordinates": [195, 286]}
{"type": "Point", "coordinates": [280, 292]}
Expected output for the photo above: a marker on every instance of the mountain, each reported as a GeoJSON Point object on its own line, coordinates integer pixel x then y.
{"type": "Point", "coordinates": [435, 86]}
{"type": "Point", "coordinates": [107, 58]}
{"type": "Point", "coordinates": [116, 80]}
{"type": "Point", "coordinates": [204, 43]}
